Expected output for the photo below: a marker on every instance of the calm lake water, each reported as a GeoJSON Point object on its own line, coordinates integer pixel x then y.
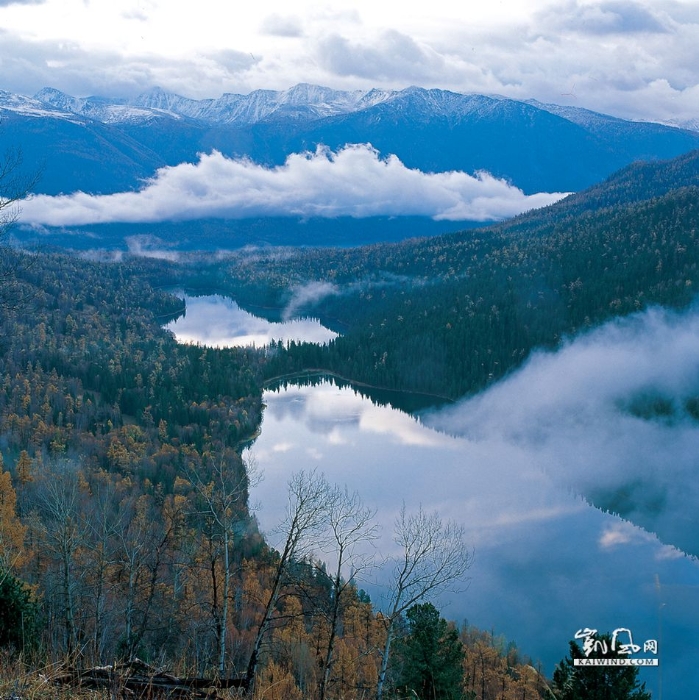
{"type": "Point", "coordinates": [218, 321]}
{"type": "Point", "coordinates": [546, 562]}
{"type": "Point", "coordinates": [510, 465]}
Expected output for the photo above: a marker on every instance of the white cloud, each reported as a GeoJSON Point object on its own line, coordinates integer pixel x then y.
{"type": "Point", "coordinates": [579, 414]}
{"type": "Point", "coordinates": [150, 247]}
{"type": "Point", "coordinates": [390, 56]}
{"type": "Point", "coordinates": [282, 25]}
{"type": "Point", "coordinates": [353, 182]}
{"type": "Point", "coordinates": [283, 447]}
{"type": "Point", "coordinates": [610, 17]}
{"type": "Point", "coordinates": [306, 294]}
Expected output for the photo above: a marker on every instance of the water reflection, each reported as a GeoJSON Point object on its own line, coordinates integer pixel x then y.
{"type": "Point", "coordinates": [546, 562]}
{"type": "Point", "coordinates": [217, 321]}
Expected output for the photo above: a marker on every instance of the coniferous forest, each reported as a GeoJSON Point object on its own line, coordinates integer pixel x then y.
{"type": "Point", "coordinates": [124, 529]}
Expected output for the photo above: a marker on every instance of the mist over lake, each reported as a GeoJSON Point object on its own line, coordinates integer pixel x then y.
{"type": "Point", "coordinates": [546, 562]}
{"type": "Point", "coordinates": [523, 466]}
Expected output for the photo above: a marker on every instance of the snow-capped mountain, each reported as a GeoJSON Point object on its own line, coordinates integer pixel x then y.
{"type": "Point", "coordinates": [102, 144]}
{"type": "Point", "coordinates": [100, 109]}
{"type": "Point", "coordinates": [33, 106]}
{"type": "Point", "coordinates": [302, 102]}
{"type": "Point", "coordinates": [299, 102]}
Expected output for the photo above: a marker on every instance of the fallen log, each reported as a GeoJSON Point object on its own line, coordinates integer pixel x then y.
{"type": "Point", "coordinates": [137, 679]}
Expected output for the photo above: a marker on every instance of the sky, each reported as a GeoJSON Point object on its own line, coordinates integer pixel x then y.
{"type": "Point", "coordinates": [631, 58]}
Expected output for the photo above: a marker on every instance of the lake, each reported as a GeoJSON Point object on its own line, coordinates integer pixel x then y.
{"type": "Point", "coordinates": [546, 562]}
{"type": "Point", "coordinates": [520, 466]}
{"type": "Point", "coordinates": [218, 321]}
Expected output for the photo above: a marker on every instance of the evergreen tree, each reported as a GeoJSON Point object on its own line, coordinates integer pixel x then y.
{"type": "Point", "coordinates": [432, 656]}
{"type": "Point", "coordinates": [597, 682]}
{"type": "Point", "coordinates": [18, 615]}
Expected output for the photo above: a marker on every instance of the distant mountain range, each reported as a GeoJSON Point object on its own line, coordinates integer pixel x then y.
{"type": "Point", "coordinates": [104, 145]}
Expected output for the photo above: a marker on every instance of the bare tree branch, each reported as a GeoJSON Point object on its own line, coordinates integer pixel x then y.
{"type": "Point", "coordinates": [351, 528]}
{"type": "Point", "coordinates": [434, 558]}
{"type": "Point", "coordinates": [303, 523]}
{"type": "Point", "coordinates": [222, 490]}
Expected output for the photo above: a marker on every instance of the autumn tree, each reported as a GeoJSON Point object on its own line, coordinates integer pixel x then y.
{"type": "Point", "coordinates": [17, 607]}
{"type": "Point", "coordinates": [350, 531]}
{"type": "Point", "coordinates": [12, 531]}
{"type": "Point", "coordinates": [433, 558]}
{"type": "Point", "coordinates": [307, 507]}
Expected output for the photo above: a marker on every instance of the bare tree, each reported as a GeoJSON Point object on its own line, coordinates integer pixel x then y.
{"type": "Point", "coordinates": [140, 540]}
{"type": "Point", "coordinates": [434, 558]}
{"type": "Point", "coordinates": [350, 530]}
{"type": "Point", "coordinates": [308, 499]}
{"type": "Point", "coordinates": [64, 531]}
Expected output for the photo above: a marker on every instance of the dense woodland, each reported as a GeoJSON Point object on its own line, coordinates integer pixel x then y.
{"type": "Point", "coordinates": [124, 525]}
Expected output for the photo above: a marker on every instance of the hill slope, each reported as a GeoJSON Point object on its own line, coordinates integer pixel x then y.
{"type": "Point", "coordinates": [450, 314]}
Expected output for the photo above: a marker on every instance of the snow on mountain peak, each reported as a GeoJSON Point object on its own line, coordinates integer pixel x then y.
{"type": "Point", "coordinates": [302, 102]}
{"type": "Point", "coordinates": [33, 107]}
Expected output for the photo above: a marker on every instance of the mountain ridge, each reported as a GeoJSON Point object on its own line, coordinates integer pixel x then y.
{"type": "Point", "coordinates": [535, 147]}
{"type": "Point", "coordinates": [312, 101]}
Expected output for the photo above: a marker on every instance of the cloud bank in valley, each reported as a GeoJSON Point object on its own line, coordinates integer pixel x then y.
{"type": "Point", "coordinates": [607, 416]}
{"type": "Point", "coordinates": [352, 182]}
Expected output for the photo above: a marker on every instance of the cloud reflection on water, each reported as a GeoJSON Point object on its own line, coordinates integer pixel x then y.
{"type": "Point", "coordinates": [585, 415]}
{"type": "Point", "coordinates": [219, 322]}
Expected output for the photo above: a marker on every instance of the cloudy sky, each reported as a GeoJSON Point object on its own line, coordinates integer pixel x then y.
{"type": "Point", "coordinates": [631, 58]}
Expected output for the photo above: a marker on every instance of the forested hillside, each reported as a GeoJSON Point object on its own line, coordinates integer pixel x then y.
{"type": "Point", "coordinates": [124, 526]}
{"type": "Point", "coordinates": [449, 314]}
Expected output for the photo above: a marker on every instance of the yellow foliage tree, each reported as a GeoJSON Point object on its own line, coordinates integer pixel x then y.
{"type": "Point", "coordinates": [11, 529]}
{"type": "Point", "coordinates": [276, 683]}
